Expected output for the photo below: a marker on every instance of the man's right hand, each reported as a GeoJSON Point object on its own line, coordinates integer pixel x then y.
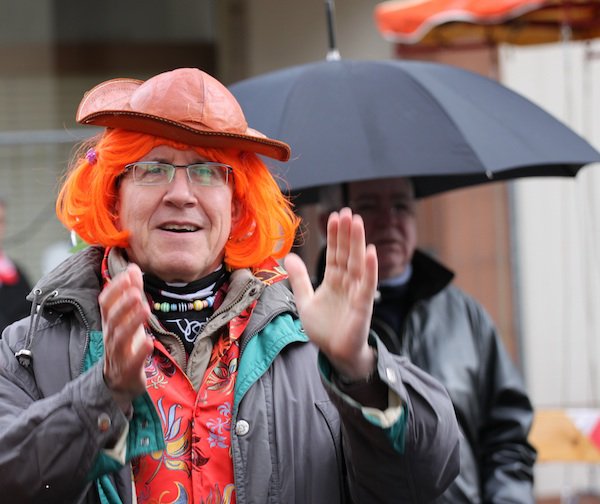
{"type": "Point", "coordinates": [124, 310]}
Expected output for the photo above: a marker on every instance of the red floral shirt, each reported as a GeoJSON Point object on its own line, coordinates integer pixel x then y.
{"type": "Point", "coordinates": [196, 465]}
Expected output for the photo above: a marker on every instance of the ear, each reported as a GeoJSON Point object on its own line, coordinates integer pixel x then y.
{"type": "Point", "coordinates": [236, 213]}
{"type": "Point", "coordinates": [116, 211]}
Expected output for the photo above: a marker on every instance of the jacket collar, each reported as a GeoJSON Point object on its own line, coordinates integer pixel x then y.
{"type": "Point", "coordinates": [429, 277]}
{"type": "Point", "coordinates": [77, 280]}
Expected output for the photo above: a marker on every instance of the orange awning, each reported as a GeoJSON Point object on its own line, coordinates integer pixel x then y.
{"type": "Point", "coordinates": [452, 23]}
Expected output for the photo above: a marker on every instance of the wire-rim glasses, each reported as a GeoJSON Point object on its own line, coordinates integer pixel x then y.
{"type": "Point", "coordinates": [205, 173]}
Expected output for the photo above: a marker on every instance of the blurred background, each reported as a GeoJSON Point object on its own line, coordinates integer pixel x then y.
{"type": "Point", "coordinates": [527, 250]}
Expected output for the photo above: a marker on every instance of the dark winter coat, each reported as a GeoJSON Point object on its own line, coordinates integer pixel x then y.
{"type": "Point", "coordinates": [449, 335]}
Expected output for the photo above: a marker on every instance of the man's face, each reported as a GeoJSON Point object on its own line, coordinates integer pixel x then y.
{"type": "Point", "coordinates": [387, 207]}
{"type": "Point", "coordinates": [178, 231]}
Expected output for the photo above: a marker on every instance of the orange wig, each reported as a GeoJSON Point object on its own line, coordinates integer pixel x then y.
{"type": "Point", "coordinates": [87, 199]}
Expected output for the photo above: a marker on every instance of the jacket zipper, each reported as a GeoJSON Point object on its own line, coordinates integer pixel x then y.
{"type": "Point", "coordinates": [222, 309]}
{"type": "Point", "coordinates": [265, 323]}
{"type": "Point", "coordinates": [85, 323]}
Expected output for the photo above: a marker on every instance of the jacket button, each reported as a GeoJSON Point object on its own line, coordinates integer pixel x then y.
{"type": "Point", "coordinates": [104, 422]}
{"type": "Point", "coordinates": [391, 375]}
{"type": "Point", "coordinates": [242, 427]}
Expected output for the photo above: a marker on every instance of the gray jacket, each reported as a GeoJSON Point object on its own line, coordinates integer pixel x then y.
{"type": "Point", "coordinates": [296, 438]}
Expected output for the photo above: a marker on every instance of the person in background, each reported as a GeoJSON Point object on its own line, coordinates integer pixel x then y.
{"type": "Point", "coordinates": [14, 286]}
{"type": "Point", "coordinates": [168, 361]}
{"type": "Point", "coordinates": [418, 313]}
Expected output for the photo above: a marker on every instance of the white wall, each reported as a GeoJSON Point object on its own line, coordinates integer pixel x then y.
{"type": "Point", "coordinates": [557, 229]}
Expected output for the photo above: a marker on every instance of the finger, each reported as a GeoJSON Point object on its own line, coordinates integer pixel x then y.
{"type": "Point", "coordinates": [122, 294]}
{"type": "Point", "coordinates": [331, 273]}
{"type": "Point", "coordinates": [332, 230]}
{"type": "Point", "coordinates": [135, 276]}
{"type": "Point", "coordinates": [299, 279]}
{"type": "Point", "coordinates": [356, 258]}
{"type": "Point", "coordinates": [343, 237]}
{"type": "Point", "coordinates": [112, 293]}
{"type": "Point", "coordinates": [370, 273]}
{"type": "Point", "coordinates": [142, 345]}
{"type": "Point", "coordinates": [127, 308]}
{"type": "Point", "coordinates": [130, 276]}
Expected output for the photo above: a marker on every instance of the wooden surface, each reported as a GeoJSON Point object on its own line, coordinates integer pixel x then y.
{"type": "Point", "coordinates": [557, 439]}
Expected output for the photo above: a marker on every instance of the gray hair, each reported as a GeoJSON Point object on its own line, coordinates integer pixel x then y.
{"type": "Point", "coordinates": [331, 197]}
{"type": "Point", "coordinates": [335, 196]}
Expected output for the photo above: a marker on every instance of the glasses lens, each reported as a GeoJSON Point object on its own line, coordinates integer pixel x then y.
{"type": "Point", "coordinates": [209, 174]}
{"type": "Point", "coordinates": [152, 173]}
{"type": "Point", "coordinates": [369, 208]}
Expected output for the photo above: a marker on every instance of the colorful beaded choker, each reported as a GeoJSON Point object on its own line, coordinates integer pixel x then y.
{"type": "Point", "coordinates": [184, 306]}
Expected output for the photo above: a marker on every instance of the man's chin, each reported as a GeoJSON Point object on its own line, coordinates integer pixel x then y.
{"type": "Point", "coordinates": [390, 268]}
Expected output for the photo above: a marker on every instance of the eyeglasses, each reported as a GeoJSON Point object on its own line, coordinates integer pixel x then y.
{"type": "Point", "coordinates": [369, 208]}
{"type": "Point", "coordinates": [151, 173]}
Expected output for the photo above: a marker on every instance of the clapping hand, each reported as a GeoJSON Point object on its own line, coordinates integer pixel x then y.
{"type": "Point", "coordinates": [124, 310]}
{"type": "Point", "coordinates": [337, 315]}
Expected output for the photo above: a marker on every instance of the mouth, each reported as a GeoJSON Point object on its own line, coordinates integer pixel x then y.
{"type": "Point", "coordinates": [389, 246]}
{"type": "Point", "coordinates": [387, 241]}
{"type": "Point", "coordinates": [179, 228]}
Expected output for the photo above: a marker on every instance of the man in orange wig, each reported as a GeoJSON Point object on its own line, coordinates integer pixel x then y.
{"type": "Point", "coordinates": [168, 362]}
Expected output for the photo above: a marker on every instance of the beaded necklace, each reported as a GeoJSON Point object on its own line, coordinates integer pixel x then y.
{"type": "Point", "coordinates": [197, 305]}
{"type": "Point", "coordinates": [184, 308]}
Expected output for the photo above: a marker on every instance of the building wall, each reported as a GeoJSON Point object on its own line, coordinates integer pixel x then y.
{"type": "Point", "coordinates": [272, 34]}
{"type": "Point", "coordinates": [558, 228]}
{"type": "Point", "coordinates": [47, 62]}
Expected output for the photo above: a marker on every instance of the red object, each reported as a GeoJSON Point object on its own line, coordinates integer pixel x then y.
{"type": "Point", "coordinates": [9, 275]}
{"type": "Point", "coordinates": [439, 23]}
{"type": "Point", "coordinates": [595, 435]}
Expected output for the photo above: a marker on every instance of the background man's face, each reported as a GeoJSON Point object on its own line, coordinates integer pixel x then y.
{"type": "Point", "coordinates": [388, 208]}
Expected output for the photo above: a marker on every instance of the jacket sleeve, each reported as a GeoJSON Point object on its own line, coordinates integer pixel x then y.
{"type": "Point", "coordinates": [506, 456]}
{"type": "Point", "coordinates": [49, 444]}
{"type": "Point", "coordinates": [414, 459]}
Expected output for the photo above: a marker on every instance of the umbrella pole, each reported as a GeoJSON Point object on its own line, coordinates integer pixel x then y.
{"type": "Point", "coordinates": [332, 54]}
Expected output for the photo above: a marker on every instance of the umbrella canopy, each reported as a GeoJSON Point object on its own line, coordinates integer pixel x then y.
{"type": "Point", "coordinates": [454, 23]}
{"type": "Point", "coordinates": [447, 128]}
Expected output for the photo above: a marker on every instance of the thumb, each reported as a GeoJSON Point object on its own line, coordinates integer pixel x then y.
{"type": "Point", "coordinates": [135, 275]}
{"type": "Point", "coordinates": [299, 279]}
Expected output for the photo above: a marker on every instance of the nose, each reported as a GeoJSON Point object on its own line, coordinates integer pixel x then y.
{"type": "Point", "coordinates": [180, 192]}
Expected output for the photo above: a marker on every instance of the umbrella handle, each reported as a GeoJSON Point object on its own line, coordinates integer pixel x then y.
{"type": "Point", "coordinates": [333, 53]}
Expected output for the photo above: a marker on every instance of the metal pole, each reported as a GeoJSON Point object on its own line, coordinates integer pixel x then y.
{"type": "Point", "coordinates": [333, 53]}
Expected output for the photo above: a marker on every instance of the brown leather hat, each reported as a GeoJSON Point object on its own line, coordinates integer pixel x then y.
{"type": "Point", "coordinates": [186, 105]}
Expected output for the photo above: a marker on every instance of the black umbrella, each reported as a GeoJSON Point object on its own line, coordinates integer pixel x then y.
{"type": "Point", "coordinates": [447, 128]}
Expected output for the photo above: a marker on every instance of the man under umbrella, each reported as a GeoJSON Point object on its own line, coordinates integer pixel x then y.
{"type": "Point", "coordinates": [448, 334]}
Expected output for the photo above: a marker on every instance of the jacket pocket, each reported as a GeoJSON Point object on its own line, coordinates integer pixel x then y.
{"type": "Point", "coordinates": [332, 419]}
